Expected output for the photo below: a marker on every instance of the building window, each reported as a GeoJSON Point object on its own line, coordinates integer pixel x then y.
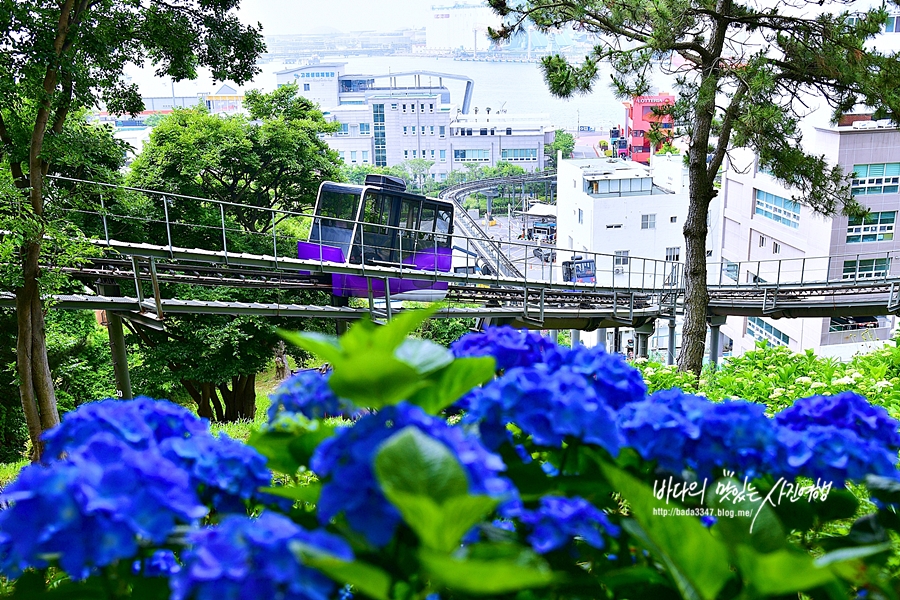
{"type": "Point", "coordinates": [305, 87]}
{"type": "Point", "coordinates": [776, 248]}
{"type": "Point", "coordinates": [874, 227]}
{"type": "Point", "coordinates": [405, 154]}
{"type": "Point", "coordinates": [422, 107]}
{"type": "Point", "coordinates": [405, 130]}
{"type": "Point", "coordinates": [673, 219]}
{"type": "Point", "coordinates": [442, 130]}
{"type": "Point", "coordinates": [365, 156]}
{"type": "Point", "coordinates": [413, 153]}
{"type": "Point", "coordinates": [432, 130]}
{"type": "Point", "coordinates": [353, 156]}
{"type": "Point", "coordinates": [866, 268]}
{"type": "Point", "coordinates": [621, 258]}
{"type": "Point", "coordinates": [468, 131]}
{"type": "Point", "coordinates": [648, 221]}
{"type": "Point", "coordinates": [760, 330]}
{"type": "Point", "coordinates": [882, 178]}
{"type": "Point", "coordinates": [483, 131]}
{"type": "Point", "coordinates": [412, 108]}
{"type": "Point", "coordinates": [472, 155]}
{"type": "Point", "coordinates": [614, 226]}
{"type": "Point", "coordinates": [580, 216]}
{"type": "Point", "coordinates": [780, 210]}
{"type": "Point", "coordinates": [380, 143]}
{"type": "Point", "coordinates": [443, 175]}
{"type": "Point", "coordinates": [762, 241]}
{"type": "Point", "coordinates": [341, 154]}
{"type": "Point", "coordinates": [365, 129]}
{"type": "Point", "coordinates": [673, 254]}
{"type": "Point", "coordinates": [730, 270]}
{"type": "Point", "coordinates": [345, 129]}
{"type": "Point", "coordinates": [404, 108]}
{"type": "Point", "coordinates": [423, 130]}
{"type": "Point", "coordinates": [432, 154]}
{"type": "Point", "coordinates": [431, 108]}
{"type": "Point", "coordinates": [518, 154]}
{"type": "Point", "coordinates": [443, 156]}
{"type": "Point", "coordinates": [509, 131]}
{"type": "Point", "coordinates": [393, 107]}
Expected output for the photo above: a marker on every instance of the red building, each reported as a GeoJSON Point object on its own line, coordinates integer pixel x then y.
{"type": "Point", "coordinates": [639, 118]}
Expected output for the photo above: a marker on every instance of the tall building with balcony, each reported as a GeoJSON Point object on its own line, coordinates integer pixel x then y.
{"type": "Point", "coordinates": [768, 237]}
{"type": "Point", "coordinates": [388, 119]}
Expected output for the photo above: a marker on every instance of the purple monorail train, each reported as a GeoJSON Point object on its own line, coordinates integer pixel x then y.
{"type": "Point", "coordinates": [381, 224]}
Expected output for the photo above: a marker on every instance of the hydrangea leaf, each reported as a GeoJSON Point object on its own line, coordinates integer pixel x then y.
{"type": "Point", "coordinates": [322, 345]}
{"type": "Point", "coordinates": [441, 526]}
{"type": "Point", "coordinates": [451, 382]}
{"type": "Point", "coordinates": [423, 355]}
{"type": "Point", "coordinates": [392, 334]}
{"type": "Point", "coordinates": [695, 559]}
{"type": "Point", "coordinates": [303, 493]}
{"type": "Point", "coordinates": [304, 444]}
{"type": "Point", "coordinates": [368, 579]}
{"type": "Point", "coordinates": [782, 572]}
{"type": "Point", "coordinates": [413, 463]}
{"type": "Point", "coordinates": [485, 575]}
{"type": "Point", "coordinates": [275, 446]}
{"type": "Point", "coordinates": [762, 530]}
{"type": "Point", "coordinates": [886, 489]}
{"type": "Point", "coordinates": [374, 379]}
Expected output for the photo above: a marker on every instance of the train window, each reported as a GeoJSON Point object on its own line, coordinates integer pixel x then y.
{"type": "Point", "coordinates": [584, 268]}
{"type": "Point", "coordinates": [444, 224]}
{"type": "Point", "coordinates": [409, 214]}
{"type": "Point", "coordinates": [338, 205]}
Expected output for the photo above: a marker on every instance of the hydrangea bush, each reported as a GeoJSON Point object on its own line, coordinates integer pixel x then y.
{"type": "Point", "coordinates": [564, 478]}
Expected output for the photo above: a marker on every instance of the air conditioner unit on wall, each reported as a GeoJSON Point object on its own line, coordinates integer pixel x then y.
{"type": "Point", "coordinates": [619, 270]}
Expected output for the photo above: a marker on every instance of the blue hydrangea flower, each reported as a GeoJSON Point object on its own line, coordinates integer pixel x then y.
{"type": "Point", "coordinates": [510, 347]}
{"type": "Point", "coordinates": [226, 473]}
{"type": "Point", "coordinates": [547, 404]}
{"type": "Point", "coordinates": [708, 521]}
{"type": "Point", "coordinates": [162, 563]}
{"type": "Point", "coordinates": [557, 520]}
{"type": "Point", "coordinates": [92, 508]}
{"type": "Point", "coordinates": [307, 393]}
{"type": "Point", "coordinates": [616, 382]}
{"type": "Point", "coordinates": [345, 462]}
{"type": "Point", "coordinates": [139, 423]}
{"type": "Point", "coordinates": [255, 558]}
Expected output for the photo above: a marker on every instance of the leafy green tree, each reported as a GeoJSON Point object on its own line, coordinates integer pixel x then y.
{"type": "Point", "coordinates": [273, 159]}
{"type": "Point", "coordinates": [56, 57]}
{"type": "Point", "coordinates": [562, 142]}
{"type": "Point", "coordinates": [752, 67]}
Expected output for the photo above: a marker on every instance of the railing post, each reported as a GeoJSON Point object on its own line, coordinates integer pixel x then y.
{"type": "Point", "coordinates": [168, 227]}
{"type": "Point", "coordinates": [224, 240]}
{"type": "Point", "coordinates": [103, 214]}
{"type": "Point", "coordinates": [274, 239]}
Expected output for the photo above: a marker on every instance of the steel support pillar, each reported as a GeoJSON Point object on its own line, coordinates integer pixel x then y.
{"type": "Point", "coordinates": [601, 339]}
{"type": "Point", "coordinates": [576, 337]}
{"type": "Point", "coordinates": [117, 346]}
{"type": "Point", "coordinates": [643, 334]}
{"type": "Point", "coordinates": [714, 324]}
{"type": "Point", "coordinates": [670, 351]}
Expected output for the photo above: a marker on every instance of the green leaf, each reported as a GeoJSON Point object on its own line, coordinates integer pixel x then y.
{"type": "Point", "coordinates": [453, 381]}
{"type": "Point", "coordinates": [368, 579]}
{"type": "Point", "coordinates": [695, 559]}
{"type": "Point", "coordinates": [303, 493]}
{"type": "Point", "coordinates": [392, 334]}
{"type": "Point", "coordinates": [374, 379]}
{"type": "Point", "coordinates": [486, 576]}
{"type": "Point", "coordinates": [423, 355]}
{"type": "Point", "coordinates": [886, 489]}
{"type": "Point", "coordinates": [851, 554]}
{"type": "Point", "coordinates": [305, 443]}
{"type": "Point", "coordinates": [762, 529]}
{"type": "Point", "coordinates": [441, 526]}
{"type": "Point", "coordinates": [322, 345]}
{"type": "Point", "coordinates": [782, 572]}
{"type": "Point", "coordinates": [275, 446]}
{"type": "Point", "coordinates": [413, 463]}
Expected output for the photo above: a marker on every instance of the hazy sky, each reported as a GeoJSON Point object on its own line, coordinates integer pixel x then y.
{"type": "Point", "coordinates": [280, 17]}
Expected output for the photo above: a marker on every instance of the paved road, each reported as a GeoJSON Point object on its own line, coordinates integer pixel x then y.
{"type": "Point", "coordinates": [518, 249]}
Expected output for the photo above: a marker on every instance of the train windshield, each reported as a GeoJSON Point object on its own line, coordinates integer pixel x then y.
{"type": "Point", "coordinates": [584, 269]}
{"type": "Point", "coordinates": [335, 213]}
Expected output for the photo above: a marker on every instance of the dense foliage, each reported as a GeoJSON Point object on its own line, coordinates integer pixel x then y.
{"type": "Point", "coordinates": [563, 479]}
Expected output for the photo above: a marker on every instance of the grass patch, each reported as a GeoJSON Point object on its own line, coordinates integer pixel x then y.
{"type": "Point", "coordinates": [9, 471]}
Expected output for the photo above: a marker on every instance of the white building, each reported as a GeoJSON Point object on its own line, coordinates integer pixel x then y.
{"type": "Point", "coordinates": [761, 225]}
{"type": "Point", "coordinates": [629, 213]}
{"type": "Point", "coordinates": [410, 117]}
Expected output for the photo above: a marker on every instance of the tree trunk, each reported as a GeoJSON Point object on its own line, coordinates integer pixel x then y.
{"type": "Point", "coordinates": [696, 295]}
{"type": "Point", "coordinates": [35, 381]}
{"type": "Point", "coordinates": [237, 403]}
